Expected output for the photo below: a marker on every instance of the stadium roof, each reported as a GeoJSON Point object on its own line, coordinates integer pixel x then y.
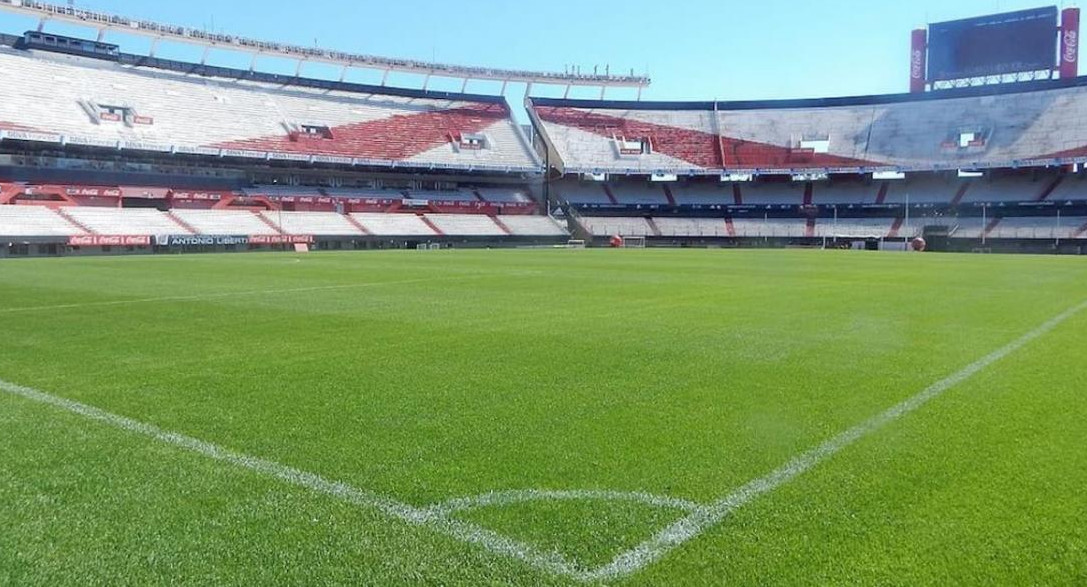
{"type": "Point", "coordinates": [104, 22]}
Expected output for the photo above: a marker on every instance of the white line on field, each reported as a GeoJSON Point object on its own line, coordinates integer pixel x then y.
{"type": "Point", "coordinates": [438, 517]}
{"type": "Point", "coordinates": [507, 498]}
{"type": "Point", "coordinates": [213, 296]}
{"type": "Point", "coordinates": [463, 531]}
{"type": "Point", "coordinates": [709, 516]}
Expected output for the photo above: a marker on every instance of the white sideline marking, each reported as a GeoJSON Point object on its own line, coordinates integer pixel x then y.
{"type": "Point", "coordinates": [438, 517]}
{"type": "Point", "coordinates": [460, 530]}
{"type": "Point", "coordinates": [709, 516]}
{"type": "Point", "coordinates": [213, 296]}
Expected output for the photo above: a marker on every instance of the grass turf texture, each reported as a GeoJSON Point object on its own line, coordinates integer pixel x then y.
{"type": "Point", "coordinates": [429, 376]}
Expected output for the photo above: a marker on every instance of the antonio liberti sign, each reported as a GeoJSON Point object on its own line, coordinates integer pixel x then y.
{"type": "Point", "coordinates": [190, 240]}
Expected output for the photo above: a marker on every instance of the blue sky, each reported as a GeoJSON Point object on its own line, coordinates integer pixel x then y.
{"type": "Point", "coordinates": [693, 49]}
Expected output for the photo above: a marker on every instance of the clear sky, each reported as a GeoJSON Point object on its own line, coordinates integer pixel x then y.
{"type": "Point", "coordinates": [693, 49]}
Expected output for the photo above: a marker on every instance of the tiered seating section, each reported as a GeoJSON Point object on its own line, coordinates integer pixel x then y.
{"type": "Point", "coordinates": [62, 96]}
{"type": "Point", "coordinates": [1041, 122]}
{"type": "Point", "coordinates": [41, 221]}
{"type": "Point", "coordinates": [1037, 227]}
{"type": "Point", "coordinates": [943, 189]}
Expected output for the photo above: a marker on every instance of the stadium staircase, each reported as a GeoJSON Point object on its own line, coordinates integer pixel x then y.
{"type": "Point", "coordinates": [270, 224]}
{"type": "Point", "coordinates": [959, 195]}
{"type": "Point", "coordinates": [611, 194]}
{"type": "Point", "coordinates": [668, 195]}
{"type": "Point", "coordinates": [430, 224]}
{"type": "Point", "coordinates": [502, 225]}
{"type": "Point", "coordinates": [353, 222]}
{"type": "Point", "coordinates": [1081, 232]}
{"type": "Point", "coordinates": [79, 225]}
{"type": "Point", "coordinates": [653, 226]}
{"type": "Point", "coordinates": [1052, 187]}
{"type": "Point", "coordinates": [184, 225]}
{"type": "Point", "coordinates": [896, 227]}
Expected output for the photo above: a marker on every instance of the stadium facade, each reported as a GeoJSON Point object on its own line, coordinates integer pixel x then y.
{"type": "Point", "coordinates": [103, 151]}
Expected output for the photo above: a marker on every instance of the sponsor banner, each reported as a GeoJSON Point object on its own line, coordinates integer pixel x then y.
{"type": "Point", "coordinates": [37, 137]}
{"type": "Point", "coordinates": [101, 240]}
{"type": "Point", "coordinates": [197, 150]}
{"type": "Point", "coordinates": [1069, 66]}
{"type": "Point", "coordinates": [142, 146]}
{"type": "Point", "coordinates": [331, 159]}
{"type": "Point", "coordinates": [147, 120]}
{"type": "Point", "coordinates": [289, 157]}
{"type": "Point", "coordinates": [92, 192]}
{"type": "Point", "coordinates": [280, 239]}
{"type": "Point", "coordinates": [93, 142]}
{"type": "Point", "coordinates": [198, 196]}
{"type": "Point", "coordinates": [195, 240]}
{"type": "Point", "coordinates": [918, 61]}
{"type": "Point", "coordinates": [244, 154]}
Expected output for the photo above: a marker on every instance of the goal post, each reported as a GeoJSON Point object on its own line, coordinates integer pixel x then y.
{"type": "Point", "coordinates": [634, 242]}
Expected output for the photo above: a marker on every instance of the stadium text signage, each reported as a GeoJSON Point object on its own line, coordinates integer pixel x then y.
{"type": "Point", "coordinates": [200, 240]}
{"type": "Point", "coordinates": [188, 240]}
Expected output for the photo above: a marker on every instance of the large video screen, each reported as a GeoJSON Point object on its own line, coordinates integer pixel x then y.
{"type": "Point", "coordinates": [993, 45]}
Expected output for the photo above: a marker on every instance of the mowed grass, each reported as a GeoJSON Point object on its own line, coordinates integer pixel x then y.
{"type": "Point", "coordinates": [429, 376]}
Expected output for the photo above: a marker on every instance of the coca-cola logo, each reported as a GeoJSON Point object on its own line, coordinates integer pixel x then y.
{"type": "Point", "coordinates": [917, 64]}
{"type": "Point", "coordinates": [1071, 46]}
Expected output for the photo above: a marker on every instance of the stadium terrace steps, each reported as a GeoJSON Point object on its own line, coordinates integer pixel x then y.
{"type": "Point", "coordinates": [30, 221]}
{"type": "Point", "coordinates": [611, 226]}
{"type": "Point", "coordinates": [314, 223]}
{"type": "Point", "coordinates": [355, 223]}
{"type": "Point", "coordinates": [897, 227]}
{"type": "Point", "coordinates": [910, 134]}
{"type": "Point", "coordinates": [464, 225]}
{"type": "Point", "coordinates": [502, 225]}
{"type": "Point", "coordinates": [533, 226]}
{"type": "Point", "coordinates": [227, 222]}
{"type": "Point", "coordinates": [858, 227]}
{"type": "Point", "coordinates": [656, 231]}
{"type": "Point", "coordinates": [198, 112]}
{"type": "Point", "coordinates": [692, 227]}
{"type": "Point", "coordinates": [185, 226]}
{"type": "Point", "coordinates": [394, 224]}
{"type": "Point", "coordinates": [80, 227]}
{"type": "Point", "coordinates": [123, 221]}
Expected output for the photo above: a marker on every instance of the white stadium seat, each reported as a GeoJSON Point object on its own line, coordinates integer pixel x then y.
{"type": "Point", "coordinates": [34, 221]}
{"type": "Point", "coordinates": [394, 224]}
{"type": "Point", "coordinates": [533, 225]}
{"type": "Point", "coordinates": [226, 222]}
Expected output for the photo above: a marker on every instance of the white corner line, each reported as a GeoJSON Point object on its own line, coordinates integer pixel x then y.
{"type": "Point", "coordinates": [438, 517]}
{"type": "Point", "coordinates": [460, 530]}
{"type": "Point", "coordinates": [710, 516]}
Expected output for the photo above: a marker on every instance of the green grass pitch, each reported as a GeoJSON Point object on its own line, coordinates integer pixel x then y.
{"type": "Point", "coordinates": [572, 404]}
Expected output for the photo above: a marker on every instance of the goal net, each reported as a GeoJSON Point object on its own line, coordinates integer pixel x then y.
{"type": "Point", "coordinates": [634, 242]}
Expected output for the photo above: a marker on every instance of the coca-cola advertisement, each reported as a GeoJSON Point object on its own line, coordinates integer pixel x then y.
{"type": "Point", "coordinates": [102, 240]}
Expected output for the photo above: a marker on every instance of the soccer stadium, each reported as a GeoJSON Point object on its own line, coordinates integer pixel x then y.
{"type": "Point", "coordinates": [263, 328]}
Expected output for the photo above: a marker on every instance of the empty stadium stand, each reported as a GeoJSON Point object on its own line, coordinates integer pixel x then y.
{"type": "Point", "coordinates": [465, 225]}
{"type": "Point", "coordinates": [24, 221]}
{"type": "Point", "coordinates": [394, 225]}
{"type": "Point", "coordinates": [227, 222]}
{"type": "Point", "coordinates": [965, 128]}
{"type": "Point", "coordinates": [104, 104]}
{"type": "Point", "coordinates": [533, 226]}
